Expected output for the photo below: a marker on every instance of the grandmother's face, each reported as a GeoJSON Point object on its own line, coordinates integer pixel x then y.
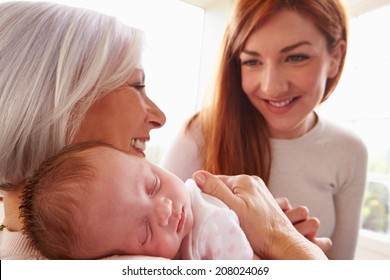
{"type": "Point", "coordinates": [123, 118]}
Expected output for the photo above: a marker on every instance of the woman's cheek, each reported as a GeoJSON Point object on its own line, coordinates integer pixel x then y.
{"type": "Point", "coordinates": [249, 83]}
{"type": "Point", "coordinates": [245, 86]}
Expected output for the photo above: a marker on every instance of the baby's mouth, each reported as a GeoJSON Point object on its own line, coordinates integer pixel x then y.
{"type": "Point", "coordinates": [182, 219]}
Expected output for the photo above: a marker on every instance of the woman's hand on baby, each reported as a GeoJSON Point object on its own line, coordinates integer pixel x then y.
{"type": "Point", "coordinates": [261, 218]}
{"type": "Point", "coordinates": [306, 225]}
{"type": "Point", "coordinates": [268, 228]}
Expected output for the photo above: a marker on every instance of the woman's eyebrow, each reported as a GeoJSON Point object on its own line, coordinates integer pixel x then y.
{"type": "Point", "coordinates": [284, 50]}
{"type": "Point", "coordinates": [294, 46]}
{"type": "Point", "coordinates": [251, 53]}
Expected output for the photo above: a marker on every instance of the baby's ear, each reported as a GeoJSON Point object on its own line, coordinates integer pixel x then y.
{"type": "Point", "coordinates": [336, 57]}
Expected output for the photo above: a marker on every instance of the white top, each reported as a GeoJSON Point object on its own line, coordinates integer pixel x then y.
{"type": "Point", "coordinates": [16, 246]}
{"type": "Point", "coordinates": [325, 170]}
{"type": "Point", "coordinates": [216, 233]}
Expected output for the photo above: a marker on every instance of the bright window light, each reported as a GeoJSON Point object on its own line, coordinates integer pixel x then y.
{"type": "Point", "coordinates": [361, 102]}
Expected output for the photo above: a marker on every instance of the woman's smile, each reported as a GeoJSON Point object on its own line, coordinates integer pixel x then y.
{"type": "Point", "coordinates": [281, 106]}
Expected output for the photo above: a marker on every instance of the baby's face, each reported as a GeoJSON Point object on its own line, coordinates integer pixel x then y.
{"type": "Point", "coordinates": [139, 208]}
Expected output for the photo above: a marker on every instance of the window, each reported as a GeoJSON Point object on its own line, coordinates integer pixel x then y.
{"type": "Point", "coordinates": [361, 102]}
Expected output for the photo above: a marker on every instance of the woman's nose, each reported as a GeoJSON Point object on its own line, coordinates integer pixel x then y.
{"type": "Point", "coordinates": [156, 117]}
{"type": "Point", "coordinates": [273, 82]}
{"type": "Point", "coordinates": [163, 210]}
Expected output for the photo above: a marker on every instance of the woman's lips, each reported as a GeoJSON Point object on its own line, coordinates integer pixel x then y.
{"type": "Point", "coordinates": [280, 107]}
{"type": "Point", "coordinates": [280, 104]}
{"type": "Point", "coordinates": [138, 144]}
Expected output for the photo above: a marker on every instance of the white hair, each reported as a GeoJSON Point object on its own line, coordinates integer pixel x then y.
{"type": "Point", "coordinates": [55, 61]}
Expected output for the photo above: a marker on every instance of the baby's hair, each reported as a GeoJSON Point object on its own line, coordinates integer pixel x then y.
{"type": "Point", "coordinates": [51, 201]}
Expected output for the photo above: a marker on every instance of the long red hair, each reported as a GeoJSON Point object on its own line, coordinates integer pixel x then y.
{"type": "Point", "coordinates": [235, 133]}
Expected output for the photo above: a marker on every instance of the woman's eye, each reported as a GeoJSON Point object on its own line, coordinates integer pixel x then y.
{"type": "Point", "coordinates": [297, 58]}
{"type": "Point", "coordinates": [251, 62]}
{"type": "Point", "coordinates": [138, 87]}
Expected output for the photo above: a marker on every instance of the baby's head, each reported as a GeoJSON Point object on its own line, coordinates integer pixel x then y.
{"type": "Point", "coordinates": [92, 200]}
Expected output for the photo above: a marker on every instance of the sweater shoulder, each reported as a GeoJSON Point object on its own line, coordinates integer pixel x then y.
{"type": "Point", "coordinates": [341, 136]}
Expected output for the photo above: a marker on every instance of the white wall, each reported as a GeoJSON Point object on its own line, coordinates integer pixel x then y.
{"type": "Point", "coordinates": [358, 7]}
{"type": "Point", "coordinates": [372, 246]}
{"type": "Point", "coordinates": [215, 18]}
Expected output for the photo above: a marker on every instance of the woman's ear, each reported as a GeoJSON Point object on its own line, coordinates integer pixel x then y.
{"type": "Point", "coordinates": [337, 55]}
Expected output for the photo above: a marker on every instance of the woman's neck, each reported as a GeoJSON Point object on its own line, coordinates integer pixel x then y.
{"type": "Point", "coordinates": [296, 132]}
{"type": "Point", "coordinates": [12, 201]}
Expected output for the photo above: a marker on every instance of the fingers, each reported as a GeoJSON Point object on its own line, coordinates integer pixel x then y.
{"type": "Point", "coordinates": [297, 214]}
{"type": "Point", "coordinates": [226, 179]}
{"type": "Point", "coordinates": [284, 203]}
{"type": "Point", "coordinates": [323, 242]}
{"type": "Point", "coordinates": [245, 185]}
{"type": "Point", "coordinates": [217, 187]}
{"type": "Point", "coordinates": [308, 227]}
{"type": "Point", "coordinates": [300, 218]}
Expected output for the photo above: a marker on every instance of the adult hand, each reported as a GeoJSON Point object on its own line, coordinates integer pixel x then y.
{"type": "Point", "coordinates": [268, 229]}
{"type": "Point", "coordinates": [306, 225]}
